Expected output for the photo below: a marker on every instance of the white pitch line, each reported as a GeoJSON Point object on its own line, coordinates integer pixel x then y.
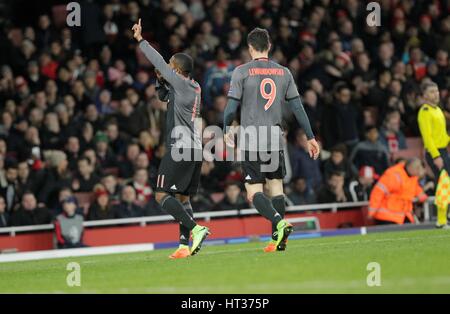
{"type": "Point", "coordinates": [89, 251]}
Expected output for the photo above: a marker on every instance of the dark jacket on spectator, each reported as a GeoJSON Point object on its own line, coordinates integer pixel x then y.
{"type": "Point", "coordinates": [126, 210]}
{"type": "Point", "coordinates": [11, 195]}
{"type": "Point", "coordinates": [306, 167]}
{"type": "Point", "coordinates": [107, 161]}
{"type": "Point", "coordinates": [87, 185]}
{"type": "Point", "coordinates": [4, 220]}
{"type": "Point", "coordinates": [96, 212]}
{"type": "Point", "coordinates": [371, 154]}
{"type": "Point", "coordinates": [31, 183]}
{"type": "Point", "coordinates": [37, 216]}
{"type": "Point", "coordinates": [358, 192]}
{"type": "Point", "coordinates": [225, 204]}
{"type": "Point", "coordinates": [307, 197]}
{"type": "Point", "coordinates": [345, 167]}
{"type": "Point", "coordinates": [52, 183]}
{"type": "Point", "coordinates": [325, 195]}
{"type": "Point", "coordinates": [126, 169]}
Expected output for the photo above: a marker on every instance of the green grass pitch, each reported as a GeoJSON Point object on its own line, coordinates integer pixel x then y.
{"type": "Point", "coordinates": [411, 262]}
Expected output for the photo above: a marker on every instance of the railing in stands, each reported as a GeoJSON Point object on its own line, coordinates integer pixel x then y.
{"type": "Point", "coordinates": [333, 207]}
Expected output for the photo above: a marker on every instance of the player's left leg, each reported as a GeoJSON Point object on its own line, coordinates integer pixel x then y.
{"type": "Point", "coordinates": [174, 207]}
{"type": "Point", "coordinates": [175, 177]}
{"type": "Point", "coordinates": [274, 189]}
{"type": "Point", "coordinates": [264, 206]}
{"type": "Point", "coordinates": [183, 250]}
{"type": "Point", "coordinates": [255, 178]}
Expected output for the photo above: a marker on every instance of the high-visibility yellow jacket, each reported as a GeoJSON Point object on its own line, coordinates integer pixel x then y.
{"type": "Point", "coordinates": [392, 197]}
{"type": "Point", "coordinates": [433, 128]}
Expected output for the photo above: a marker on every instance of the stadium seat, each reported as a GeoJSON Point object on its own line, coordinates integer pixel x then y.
{"type": "Point", "coordinates": [84, 199]}
{"type": "Point", "coordinates": [414, 149]}
{"type": "Point", "coordinates": [414, 142]}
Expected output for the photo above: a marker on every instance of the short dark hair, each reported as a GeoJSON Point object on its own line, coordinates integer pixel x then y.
{"type": "Point", "coordinates": [425, 85]}
{"type": "Point", "coordinates": [184, 63]}
{"type": "Point", "coordinates": [370, 127]}
{"type": "Point", "coordinates": [259, 39]}
{"type": "Point", "coordinates": [337, 173]}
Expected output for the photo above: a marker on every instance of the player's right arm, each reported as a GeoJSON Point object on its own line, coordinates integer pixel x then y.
{"type": "Point", "coordinates": [234, 100]}
{"type": "Point", "coordinates": [295, 104]}
{"type": "Point", "coordinates": [155, 58]}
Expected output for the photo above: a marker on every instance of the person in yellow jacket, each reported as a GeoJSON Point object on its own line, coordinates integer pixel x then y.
{"type": "Point", "coordinates": [433, 128]}
{"type": "Point", "coordinates": [392, 197]}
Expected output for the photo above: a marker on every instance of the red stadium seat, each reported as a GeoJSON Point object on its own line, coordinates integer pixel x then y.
{"type": "Point", "coordinates": [84, 199]}
{"type": "Point", "coordinates": [414, 143]}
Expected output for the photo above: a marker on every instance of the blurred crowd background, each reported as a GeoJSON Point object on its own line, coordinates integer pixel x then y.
{"type": "Point", "coordinates": [80, 114]}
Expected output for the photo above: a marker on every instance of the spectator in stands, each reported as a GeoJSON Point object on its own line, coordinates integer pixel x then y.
{"type": "Point", "coordinates": [343, 119]}
{"type": "Point", "coordinates": [56, 176]}
{"type": "Point", "coordinates": [85, 179]}
{"type": "Point", "coordinates": [69, 226]}
{"type": "Point", "coordinates": [370, 152]}
{"type": "Point", "coordinates": [11, 191]}
{"type": "Point", "coordinates": [338, 162]}
{"type": "Point", "coordinates": [64, 193]}
{"type": "Point", "coordinates": [217, 77]}
{"type": "Point", "coordinates": [233, 198]}
{"type": "Point", "coordinates": [101, 208]}
{"type": "Point", "coordinates": [105, 157]}
{"type": "Point", "coordinates": [360, 188]}
{"type": "Point", "coordinates": [391, 135]}
{"type": "Point", "coordinates": [392, 198]}
{"type": "Point", "coordinates": [92, 157]}
{"type": "Point", "coordinates": [334, 191]}
{"type": "Point", "coordinates": [302, 164]}
{"type": "Point", "coordinates": [109, 181]}
{"type": "Point", "coordinates": [314, 109]}
{"type": "Point", "coordinates": [73, 152]}
{"type": "Point", "coordinates": [127, 207]}
{"type": "Point", "coordinates": [126, 167]}
{"type": "Point", "coordinates": [26, 179]}
{"type": "Point", "coordinates": [4, 216]}
{"type": "Point", "coordinates": [140, 184]}
{"type": "Point", "coordinates": [116, 141]}
{"type": "Point", "coordinates": [301, 194]}
{"type": "Point", "coordinates": [142, 161]}
{"type": "Point", "coordinates": [379, 94]}
{"type": "Point", "coordinates": [29, 213]}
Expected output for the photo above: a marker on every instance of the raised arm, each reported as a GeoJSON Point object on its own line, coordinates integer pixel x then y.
{"type": "Point", "coordinates": [155, 58]}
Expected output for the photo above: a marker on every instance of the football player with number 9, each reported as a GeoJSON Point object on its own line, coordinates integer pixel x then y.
{"type": "Point", "coordinates": [261, 87]}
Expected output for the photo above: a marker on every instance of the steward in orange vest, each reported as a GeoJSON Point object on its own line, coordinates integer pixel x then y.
{"type": "Point", "coordinates": [392, 197]}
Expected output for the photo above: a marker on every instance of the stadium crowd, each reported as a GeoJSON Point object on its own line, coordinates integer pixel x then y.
{"type": "Point", "coordinates": [80, 112]}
